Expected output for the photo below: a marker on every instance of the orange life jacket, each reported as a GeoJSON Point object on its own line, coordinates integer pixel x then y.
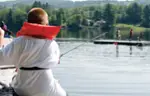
{"type": "Point", "coordinates": [36, 30]}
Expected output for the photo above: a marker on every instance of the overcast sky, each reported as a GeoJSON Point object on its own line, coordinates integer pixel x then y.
{"type": "Point", "coordinates": [72, 0]}
{"type": "Point", "coordinates": [5, 0]}
{"type": "Point", "coordinates": [95, 0]}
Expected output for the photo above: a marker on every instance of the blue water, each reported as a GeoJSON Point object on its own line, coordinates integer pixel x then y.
{"type": "Point", "coordinates": [104, 70]}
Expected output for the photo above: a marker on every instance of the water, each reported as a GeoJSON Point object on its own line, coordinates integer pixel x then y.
{"type": "Point", "coordinates": [98, 70]}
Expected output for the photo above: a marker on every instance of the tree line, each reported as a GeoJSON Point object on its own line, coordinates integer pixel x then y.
{"type": "Point", "coordinates": [77, 18]}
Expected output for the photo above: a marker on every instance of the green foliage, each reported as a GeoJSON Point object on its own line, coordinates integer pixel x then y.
{"type": "Point", "coordinates": [147, 34]}
{"type": "Point", "coordinates": [134, 13]}
{"type": "Point", "coordinates": [79, 18]}
{"type": "Point", "coordinates": [97, 15]}
{"type": "Point", "coordinates": [3, 14]}
{"type": "Point", "coordinates": [146, 16]}
{"type": "Point", "coordinates": [109, 16]}
{"type": "Point", "coordinates": [125, 29]}
{"type": "Point", "coordinates": [18, 22]}
{"type": "Point", "coordinates": [10, 19]}
{"type": "Point", "coordinates": [121, 16]}
{"type": "Point", "coordinates": [74, 22]}
{"type": "Point", "coordinates": [39, 4]}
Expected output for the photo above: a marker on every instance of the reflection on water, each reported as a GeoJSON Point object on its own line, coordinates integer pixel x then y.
{"type": "Point", "coordinates": [85, 33]}
{"type": "Point", "coordinates": [130, 49]}
{"type": "Point", "coordinates": [94, 70]}
{"type": "Point", "coordinates": [117, 50]}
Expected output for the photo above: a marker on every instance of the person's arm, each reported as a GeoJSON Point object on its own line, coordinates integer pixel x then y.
{"type": "Point", "coordinates": [1, 38]}
{"type": "Point", "coordinates": [49, 56]}
{"type": "Point", "coordinates": [55, 54]}
{"type": "Point", "coordinates": [56, 51]}
{"type": "Point", "coordinates": [6, 55]}
{"type": "Point", "coordinates": [10, 53]}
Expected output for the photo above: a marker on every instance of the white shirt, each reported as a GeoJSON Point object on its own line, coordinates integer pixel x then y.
{"type": "Point", "coordinates": [31, 52]}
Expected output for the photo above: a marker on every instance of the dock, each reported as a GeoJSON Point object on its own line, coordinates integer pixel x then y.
{"type": "Point", "coordinates": [71, 40]}
{"type": "Point", "coordinates": [123, 42]}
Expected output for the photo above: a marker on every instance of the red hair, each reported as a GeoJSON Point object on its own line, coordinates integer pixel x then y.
{"type": "Point", "coordinates": [38, 16]}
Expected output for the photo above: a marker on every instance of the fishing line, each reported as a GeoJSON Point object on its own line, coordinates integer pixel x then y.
{"type": "Point", "coordinates": [83, 44]}
{"type": "Point", "coordinates": [12, 67]}
{"type": "Point", "coordinates": [11, 33]}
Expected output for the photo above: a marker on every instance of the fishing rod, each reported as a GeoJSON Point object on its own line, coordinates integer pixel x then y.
{"type": "Point", "coordinates": [12, 67]}
{"type": "Point", "coordinates": [7, 67]}
{"type": "Point", "coordinates": [4, 27]}
{"type": "Point", "coordinates": [83, 43]}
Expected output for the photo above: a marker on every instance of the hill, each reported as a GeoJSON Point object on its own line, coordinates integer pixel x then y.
{"type": "Point", "coordinates": [28, 2]}
{"type": "Point", "coordinates": [143, 1]}
{"type": "Point", "coordinates": [64, 3]}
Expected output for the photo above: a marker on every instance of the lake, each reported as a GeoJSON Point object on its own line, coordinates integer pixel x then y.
{"type": "Point", "coordinates": [101, 70]}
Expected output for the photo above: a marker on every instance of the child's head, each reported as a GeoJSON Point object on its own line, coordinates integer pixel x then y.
{"type": "Point", "coordinates": [38, 16]}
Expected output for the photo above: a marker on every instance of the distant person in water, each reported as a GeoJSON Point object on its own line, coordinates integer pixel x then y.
{"type": "Point", "coordinates": [118, 34]}
{"type": "Point", "coordinates": [34, 52]}
{"type": "Point", "coordinates": [141, 36]}
{"type": "Point", "coordinates": [131, 34]}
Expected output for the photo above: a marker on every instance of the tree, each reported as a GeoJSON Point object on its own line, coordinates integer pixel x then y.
{"type": "Point", "coordinates": [60, 16]}
{"type": "Point", "coordinates": [74, 22]}
{"type": "Point", "coordinates": [37, 4]}
{"type": "Point", "coordinates": [19, 16]}
{"type": "Point", "coordinates": [97, 15]}
{"type": "Point", "coordinates": [46, 6]}
{"type": "Point", "coordinates": [4, 14]}
{"type": "Point", "coordinates": [121, 14]}
{"type": "Point", "coordinates": [109, 16]}
{"type": "Point", "coordinates": [85, 22]}
{"type": "Point", "coordinates": [134, 13]}
{"type": "Point", "coordinates": [10, 19]}
{"type": "Point", "coordinates": [146, 16]}
{"type": "Point", "coordinates": [52, 20]}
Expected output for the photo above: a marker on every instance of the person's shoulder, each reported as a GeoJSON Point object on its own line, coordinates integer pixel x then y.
{"type": "Point", "coordinates": [54, 43]}
{"type": "Point", "coordinates": [17, 39]}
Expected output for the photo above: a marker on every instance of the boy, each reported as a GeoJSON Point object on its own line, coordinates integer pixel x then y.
{"type": "Point", "coordinates": [34, 53]}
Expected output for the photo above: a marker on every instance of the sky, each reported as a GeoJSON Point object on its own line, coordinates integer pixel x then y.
{"type": "Point", "coordinates": [85, 0]}
{"type": "Point", "coordinates": [5, 0]}
{"type": "Point", "coordinates": [72, 0]}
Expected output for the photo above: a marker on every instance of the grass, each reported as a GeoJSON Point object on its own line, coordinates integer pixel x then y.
{"type": "Point", "coordinates": [125, 29]}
